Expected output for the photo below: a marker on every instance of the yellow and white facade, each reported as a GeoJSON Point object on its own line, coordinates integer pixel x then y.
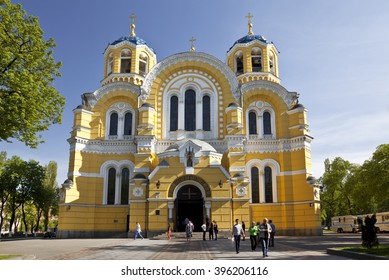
{"type": "Point", "coordinates": [188, 137]}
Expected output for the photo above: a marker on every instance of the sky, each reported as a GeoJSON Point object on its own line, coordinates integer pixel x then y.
{"type": "Point", "coordinates": [333, 53]}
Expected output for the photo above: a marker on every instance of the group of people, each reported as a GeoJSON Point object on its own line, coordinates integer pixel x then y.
{"type": "Point", "coordinates": [262, 233]}
{"type": "Point", "coordinates": [211, 228]}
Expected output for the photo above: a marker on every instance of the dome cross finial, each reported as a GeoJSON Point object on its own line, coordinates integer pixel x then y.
{"type": "Point", "coordinates": [132, 26]}
{"type": "Point", "coordinates": [192, 40]}
{"type": "Point", "coordinates": [250, 24]}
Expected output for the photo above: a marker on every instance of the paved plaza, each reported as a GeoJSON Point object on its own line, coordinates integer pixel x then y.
{"type": "Point", "coordinates": [286, 248]}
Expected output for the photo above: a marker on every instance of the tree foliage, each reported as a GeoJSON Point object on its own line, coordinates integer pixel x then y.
{"type": "Point", "coordinates": [351, 189]}
{"type": "Point", "coordinates": [29, 103]}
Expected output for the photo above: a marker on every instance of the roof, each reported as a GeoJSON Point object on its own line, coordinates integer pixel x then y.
{"type": "Point", "coordinates": [204, 145]}
{"type": "Point", "coordinates": [249, 38]}
{"type": "Point", "coordinates": [132, 39]}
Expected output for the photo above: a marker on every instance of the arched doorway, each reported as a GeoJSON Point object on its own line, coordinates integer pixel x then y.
{"type": "Point", "coordinates": [189, 204]}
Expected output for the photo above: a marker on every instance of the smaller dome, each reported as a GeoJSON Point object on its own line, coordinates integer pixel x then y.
{"type": "Point", "coordinates": [249, 38]}
{"type": "Point", "coordinates": [147, 105]}
{"type": "Point", "coordinates": [132, 39]}
{"type": "Point", "coordinates": [238, 175]}
{"type": "Point", "coordinates": [233, 105]}
{"type": "Point", "coordinates": [140, 176]}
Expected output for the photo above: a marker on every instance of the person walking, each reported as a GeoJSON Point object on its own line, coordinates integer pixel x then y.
{"type": "Point", "coordinates": [188, 230]}
{"type": "Point", "coordinates": [169, 231]}
{"type": "Point", "coordinates": [253, 230]}
{"type": "Point", "coordinates": [210, 230]}
{"type": "Point", "coordinates": [215, 229]}
{"type": "Point", "coordinates": [272, 233]}
{"type": "Point", "coordinates": [237, 231]}
{"type": "Point", "coordinates": [244, 231]}
{"type": "Point", "coordinates": [264, 231]}
{"type": "Point", "coordinates": [138, 231]}
{"type": "Point", "coordinates": [204, 228]}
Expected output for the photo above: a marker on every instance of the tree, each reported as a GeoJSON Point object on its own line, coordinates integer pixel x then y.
{"type": "Point", "coordinates": [29, 103]}
{"type": "Point", "coordinates": [45, 197]}
{"type": "Point", "coordinates": [3, 189]}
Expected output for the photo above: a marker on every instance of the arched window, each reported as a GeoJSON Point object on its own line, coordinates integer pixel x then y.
{"type": "Point", "coordinates": [256, 60]}
{"type": "Point", "coordinates": [127, 124]}
{"type": "Point", "coordinates": [111, 186]}
{"type": "Point", "coordinates": [268, 185]}
{"type": "Point", "coordinates": [110, 64]}
{"type": "Point", "coordinates": [266, 123]}
{"type": "Point", "coordinates": [173, 113]}
{"type": "Point", "coordinates": [113, 124]}
{"type": "Point", "coordinates": [190, 110]}
{"type": "Point", "coordinates": [206, 113]}
{"type": "Point", "coordinates": [143, 59]}
{"type": "Point", "coordinates": [271, 62]}
{"type": "Point", "coordinates": [252, 123]}
{"type": "Point", "coordinates": [254, 185]}
{"type": "Point", "coordinates": [239, 63]}
{"type": "Point", "coordinates": [125, 186]}
{"type": "Point", "coordinates": [125, 61]}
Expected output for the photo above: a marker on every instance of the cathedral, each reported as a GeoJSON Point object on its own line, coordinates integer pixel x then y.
{"type": "Point", "coordinates": [189, 137]}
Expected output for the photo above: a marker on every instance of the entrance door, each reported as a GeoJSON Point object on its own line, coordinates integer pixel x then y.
{"type": "Point", "coordinates": [189, 205]}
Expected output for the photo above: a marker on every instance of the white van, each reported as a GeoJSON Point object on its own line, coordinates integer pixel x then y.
{"type": "Point", "coordinates": [382, 223]}
{"type": "Point", "coordinates": [346, 223]}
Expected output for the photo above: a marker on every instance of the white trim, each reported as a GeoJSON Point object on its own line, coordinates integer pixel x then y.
{"type": "Point", "coordinates": [84, 174]}
{"type": "Point", "coordinates": [142, 170]}
{"type": "Point", "coordinates": [155, 171]}
{"type": "Point", "coordinates": [295, 172]}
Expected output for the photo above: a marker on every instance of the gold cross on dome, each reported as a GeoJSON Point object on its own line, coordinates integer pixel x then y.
{"type": "Point", "coordinates": [132, 26]}
{"type": "Point", "coordinates": [192, 40]}
{"type": "Point", "coordinates": [250, 24]}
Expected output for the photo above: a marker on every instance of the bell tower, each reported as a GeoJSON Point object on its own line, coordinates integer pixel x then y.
{"type": "Point", "coordinates": [253, 57]}
{"type": "Point", "coordinates": [128, 59]}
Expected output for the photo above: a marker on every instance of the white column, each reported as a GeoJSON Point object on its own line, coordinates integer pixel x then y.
{"type": "Point", "coordinates": [208, 209]}
{"type": "Point", "coordinates": [199, 114]}
{"type": "Point", "coordinates": [120, 126]}
{"type": "Point", "coordinates": [181, 115]}
{"type": "Point", "coordinates": [117, 187]}
{"type": "Point", "coordinates": [170, 205]}
{"type": "Point", "coordinates": [260, 126]}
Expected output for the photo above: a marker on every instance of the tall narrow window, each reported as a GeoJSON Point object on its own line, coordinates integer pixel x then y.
{"type": "Point", "coordinates": [239, 63]}
{"type": "Point", "coordinates": [113, 124]}
{"type": "Point", "coordinates": [125, 186]}
{"type": "Point", "coordinates": [190, 110]}
{"type": "Point", "coordinates": [206, 113]}
{"type": "Point", "coordinates": [268, 185]}
{"type": "Point", "coordinates": [266, 123]}
{"type": "Point", "coordinates": [173, 113]}
{"type": "Point", "coordinates": [271, 62]}
{"type": "Point", "coordinates": [143, 64]}
{"type": "Point", "coordinates": [127, 124]}
{"type": "Point", "coordinates": [110, 64]}
{"type": "Point", "coordinates": [252, 123]}
{"type": "Point", "coordinates": [111, 186]}
{"type": "Point", "coordinates": [254, 185]}
{"type": "Point", "coordinates": [256, 60]}
{"type": "Point", "coordinates": [125, 61]}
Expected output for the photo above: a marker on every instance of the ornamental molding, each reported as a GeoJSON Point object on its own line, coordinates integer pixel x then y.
{"type": "Point", "coordinates": [132, 45]}
{"type": "Point", "coordinates": [279, 145]}
{"type": "Point", "coordinates": [137, 192]}
{"type": "Point", "coordinates": [195, 57]}
{"type": "Point", "coordinates": [288, 97]}
{"type": "Point", "coordinates": [115, 86]}
{"type": "Point", "coordinates": [102, 146]}
{"type": "Point", "coordinates": [241, 191]}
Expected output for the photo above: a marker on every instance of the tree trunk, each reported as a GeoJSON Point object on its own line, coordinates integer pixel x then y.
{"type": "Point", "coordinates": [39, 211]}
{"type": "Point", "coordinates": [46, 214]}
{"type": "Point", "coordinates": [11, 221]}
{"type": "Point", "coordinates": [24, 219]}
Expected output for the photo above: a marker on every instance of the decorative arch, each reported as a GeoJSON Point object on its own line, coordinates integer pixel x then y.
{"type": "Point", "coordinates": [195, 57]}
{"type": "Point", "coordinates": [121, 109]}
{"type": "Point", "coordinates": [189, 179]}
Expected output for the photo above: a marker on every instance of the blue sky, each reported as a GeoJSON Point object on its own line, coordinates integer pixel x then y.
{"type": "Point", "coordinates": [334, 53]}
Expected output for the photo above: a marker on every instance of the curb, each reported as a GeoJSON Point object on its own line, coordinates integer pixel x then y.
{"type": "Point", "coordinates": [354, 255]}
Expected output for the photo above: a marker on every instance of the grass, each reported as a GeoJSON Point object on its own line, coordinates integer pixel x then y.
{"type": "Point", "coordinates": [7, 257]}
{"type": "Point", "coordinates": [382, 250]}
